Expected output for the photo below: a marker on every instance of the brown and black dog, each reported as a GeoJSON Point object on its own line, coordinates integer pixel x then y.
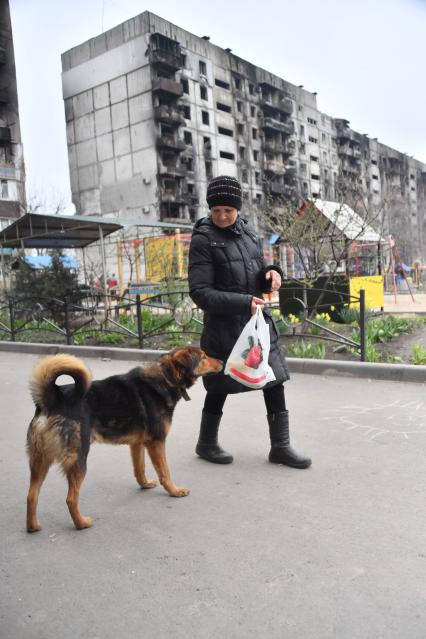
{"type": "Point", "coordinates": [135, 409]}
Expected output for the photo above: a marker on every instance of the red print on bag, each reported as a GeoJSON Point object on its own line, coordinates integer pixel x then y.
{"type": "Point", "coordinates": [253, 355]}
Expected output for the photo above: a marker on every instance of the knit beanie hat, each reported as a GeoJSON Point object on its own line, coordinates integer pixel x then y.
{"type": "Point", "coordinates": [224, 191]}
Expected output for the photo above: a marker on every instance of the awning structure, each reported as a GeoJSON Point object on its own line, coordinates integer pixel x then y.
{"type": "Point", "coordinates": [35, 230]}
{"type": "Point", "coordinates": [352, 226]}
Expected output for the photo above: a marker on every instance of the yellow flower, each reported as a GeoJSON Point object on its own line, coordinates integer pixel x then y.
{"type": "Point", "coordinates": [332, 308]}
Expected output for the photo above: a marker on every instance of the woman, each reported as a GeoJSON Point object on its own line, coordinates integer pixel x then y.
{"type": "Point", "coordinates": [227, 276]}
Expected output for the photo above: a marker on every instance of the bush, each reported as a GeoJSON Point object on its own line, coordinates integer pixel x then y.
{"type": "Point", "coordinates": [418, 355]}
{"type": "Point", "coordinates": [307, 350]}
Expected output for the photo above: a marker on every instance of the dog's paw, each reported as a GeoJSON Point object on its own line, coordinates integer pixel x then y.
{"type": "Point", "coordinates": [180, 492]}
{"type": "Point", "coordinates": [149, 483]}
{"type": "Point", "coordinates": [85, 522]}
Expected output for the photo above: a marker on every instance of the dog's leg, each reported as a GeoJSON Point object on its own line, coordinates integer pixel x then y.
{"type": "Point", "coordinates": [75, 475]}
{"type": "Point", "coordinates": [39, 466]}
{"type": "Point", "coordinates": [157, 453]}
{"type": "Point", "coordinates": [137, 452]}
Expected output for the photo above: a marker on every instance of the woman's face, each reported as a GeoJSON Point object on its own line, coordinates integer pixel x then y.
{"type": "Point", "coordinates": [223, 216]}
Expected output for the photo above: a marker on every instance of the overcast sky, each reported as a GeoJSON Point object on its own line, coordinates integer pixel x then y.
{"type": "Point", "coordinates": [365, 59]}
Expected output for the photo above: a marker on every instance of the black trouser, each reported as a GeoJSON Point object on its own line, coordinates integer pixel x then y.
{"type": "Point", "coordinates": [273, 395]}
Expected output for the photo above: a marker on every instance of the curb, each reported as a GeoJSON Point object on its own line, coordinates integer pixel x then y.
{"type": "Point", "coordinates": [365, 370]}
{"type": "Point", "coordinates": [129, 354]}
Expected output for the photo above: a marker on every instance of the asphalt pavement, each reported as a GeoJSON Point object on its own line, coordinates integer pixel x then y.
{"type": "Point", "coordinates": [255, 551]}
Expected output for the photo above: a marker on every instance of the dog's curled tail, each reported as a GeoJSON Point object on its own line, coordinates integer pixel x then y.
{"type": "Point", "coordinates": [42, 385]}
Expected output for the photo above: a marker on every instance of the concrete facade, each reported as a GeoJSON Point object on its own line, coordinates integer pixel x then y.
{"type": "Point", "coordinates": [153, 112]}
{"type": "Point", "coordinates": [12, 171]}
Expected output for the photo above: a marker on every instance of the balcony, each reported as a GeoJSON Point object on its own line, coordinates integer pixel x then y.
{"type": "Point", "coordinates": [5, 135]}
{"type": "Point", "coordinates": [172, 170]}
{"type": "Point", "coordinates": [170, 142]}
{"type": "Point", "coordinates": [172, 196]}
{"type": "Point", "coordinates": [168, 115]}
{"type": "Point", "coordinates": [290, 168]}
{"type": "Point", "coordinates": [273, 166]}
{"type": "Point", "coordinates": [168, 87]}
{"type": "Point", "coordinates": [191, 198]}
{"type": "Point", "coordinates": [284, 105]}
{"type": "Point", "coordinates": [350, 167]}
{"type": "Point", "coordinates": [277, 125]}
{"type": "Point", "coordinates": [276, 188]}
{"type": "Point", "coordinates": [289, 190]}
{"type": "Point", "coordinates": [288, 147]}
{"type": "Point", "coordinates": [8, 172]}
{"type": "Point", "coordinates": [345, 133]}
{"type": "Point", "coordinates": [349, 151]}
{"type": "Point", "coordinates": [166, 59]}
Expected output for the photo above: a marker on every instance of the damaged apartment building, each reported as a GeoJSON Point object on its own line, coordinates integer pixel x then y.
{"type": "Point", "coordinates": [153, 112]}
{"type": "Point", "coordinates": [12, 173]}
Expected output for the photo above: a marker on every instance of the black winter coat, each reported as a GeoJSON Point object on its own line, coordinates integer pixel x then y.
{"type": "Point", "coordinates": [226, 269]}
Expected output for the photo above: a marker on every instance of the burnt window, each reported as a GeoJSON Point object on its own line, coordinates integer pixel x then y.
{"type": "Point", "coordinates": [256, 156]}
{"type": "Point", "coordinates": [223, 107]}
{"type": "Point", "coordinates": [312, 139]}
{"type": "Point", "coordinates": [185, 85]}
{"type": "Point", "coordinates": [254, 134]}
{"type": "Point", "coordinates": [252, 111]}
{"type": "Point", "coordinates": [257, 177]}
{"type": "Point", "coordinates": [251, 89]}
{"type": "Point", "coordinates": [222, 84]}
{"type": "Point", "coordinates": [240, 129]}
{"type": "Point", "coordinates": [223, 131]}
{"type": "Point", "coordinates": [186, 112]}
{"type": "Point", "coordinates": [242, 152]}
{"type": "Point", "coordinates": [203, 92]}
{"type": "Point", "coordinates": [312, 121]}
{"type": "Point", "coordinates": [239, 106]}
{"type": "Point", "coordinates": [187, 136]}
{"type": "Point", "coordinates": [205, 117]}
{"type": "Point", "coordinates": [227, 156]}
{"type": "Point", "coordinates": [245, 176]}
{"type": "Point", "coordinates": [202, 67]}
{"type": "Point", "coordinates": [237, 82]}
{"type": "Point", "coordinates": [209, 170]}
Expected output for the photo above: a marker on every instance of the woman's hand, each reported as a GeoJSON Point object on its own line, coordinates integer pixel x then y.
{"type": "Point", "coordinates": [256, 301]}
{"type": "Point", "coordinates": [276, 279]}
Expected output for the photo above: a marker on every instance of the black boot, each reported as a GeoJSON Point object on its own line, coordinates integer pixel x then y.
{"type": "Point", "coordinates": [207, 446]}
{"type": "Point", "coordinates": [281, 451]}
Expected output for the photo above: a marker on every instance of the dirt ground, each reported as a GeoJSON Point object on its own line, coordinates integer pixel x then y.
{"type": "Point", "coordinates": [398, 348]}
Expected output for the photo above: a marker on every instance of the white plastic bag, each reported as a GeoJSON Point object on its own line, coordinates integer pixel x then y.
{"type": "Point", "coordinates": [248, 361]}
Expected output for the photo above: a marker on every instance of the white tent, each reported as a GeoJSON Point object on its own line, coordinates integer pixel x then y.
{"type": "Point", "coordinates": [347, 221]}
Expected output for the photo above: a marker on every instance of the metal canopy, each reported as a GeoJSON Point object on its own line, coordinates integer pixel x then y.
{"type": "Point", "coordinates": [35, 230]}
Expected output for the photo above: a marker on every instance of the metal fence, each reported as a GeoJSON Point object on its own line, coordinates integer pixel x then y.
{"type": "Point", "coordinates": [142, 319]}
{"type": "Point", "coordinates": [139, 318]}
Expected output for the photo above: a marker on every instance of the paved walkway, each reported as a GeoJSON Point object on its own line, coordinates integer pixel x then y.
{"type": "Point", "coordinates": [256, 550]}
